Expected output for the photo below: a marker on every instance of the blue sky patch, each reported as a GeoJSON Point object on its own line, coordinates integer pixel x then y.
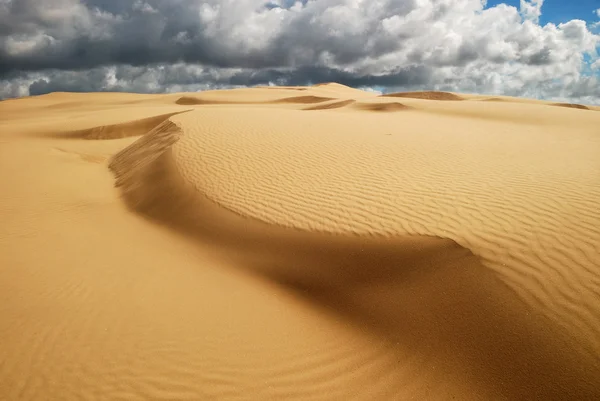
{"type": "Point", "coordinates": [557, 11]}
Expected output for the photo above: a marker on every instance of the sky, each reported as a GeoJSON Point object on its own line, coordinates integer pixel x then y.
{"type": "Point", "coordinates": [557, 11]}
{"type": "Point", "coordinates": [546, 49]}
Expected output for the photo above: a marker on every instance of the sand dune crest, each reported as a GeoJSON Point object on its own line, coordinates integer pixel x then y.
{"type": "Point", "coordinates": [303, 99]}
{"type": "Point", "coordinates": [116, 131]}
{"type": "Point", "coordinates": [382, 107]}
{"type": "Point", "coordinates": [428, 95]}
{"type": "Point", "coordinates": [189, 100]}
{"type": "Point", "coordinates": [572, 106]}
{"type": "Point", "coordinates": [332, 105]}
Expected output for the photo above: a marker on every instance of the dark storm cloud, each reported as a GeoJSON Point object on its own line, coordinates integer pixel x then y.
{"type": "Point", "coordinates": [83, 82]}
{"type": "Point", "coordinates": [69, 34]}
{"type": "Point", "coordinates": [111, 6]}
{"type": "Point", "coordinates": [102, 32]}
{"type": "Point", "coordinates": [107, 32]}
{"type": "Point", "coordinates": [414, 76]}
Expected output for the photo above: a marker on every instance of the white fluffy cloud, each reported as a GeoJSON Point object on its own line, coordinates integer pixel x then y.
{"type": "Point", "coordinates": [166, 45]}
{"type": "Point", "coordinates": [532, 9]}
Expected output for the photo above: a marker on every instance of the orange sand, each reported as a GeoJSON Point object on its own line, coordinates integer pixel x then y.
{"type": "Point", "coordinates": [318, 243]}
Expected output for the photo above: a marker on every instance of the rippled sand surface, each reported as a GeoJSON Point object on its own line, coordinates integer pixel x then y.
{"type": "Point", "coordinates": [299, 243]}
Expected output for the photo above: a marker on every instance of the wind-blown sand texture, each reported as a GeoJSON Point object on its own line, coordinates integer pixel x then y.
{"type": "Point", "coordinates": [317, 243]}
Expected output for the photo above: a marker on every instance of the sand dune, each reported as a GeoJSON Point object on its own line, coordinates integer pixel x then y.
{"type": "Point", "coordinates": [116, 131]}
{"type": "Point", "coordinates": [509, 99]}
{"type": "Point", "coordinates": [492, 99]}
{"type": "Point", "coordinates": [303, 99]}
{"type": "Point", "coordinates": [386, 106]}
{"type": "Point", "coordinates": [252, 250]}
{"type": "Point", "coordinates": [428, 95]}
{"type": "Point", "coordinates": [189, 100]}
{"type": "Point", "coordinates": [572, 106]}
{"type": "Point", "coordinates": [332, 105]}
{"type": "Point", "coordinates": [279, 88]}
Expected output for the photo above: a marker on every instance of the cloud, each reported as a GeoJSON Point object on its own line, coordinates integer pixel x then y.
{"type": "Point", "coordinates": [166, 45]}
{"type": "Point", "coordinates": [532, 9]}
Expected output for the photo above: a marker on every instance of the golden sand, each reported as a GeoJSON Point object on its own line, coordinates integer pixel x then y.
{"type": "Point", "coordinates": [298, 243]}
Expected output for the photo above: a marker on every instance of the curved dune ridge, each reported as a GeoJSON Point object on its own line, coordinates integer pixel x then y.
{"type": "Point", "coordinates": [189, 100]}
{"type": "Point", "coordinates": [279, 88]}
{"type": "Point", "coordinates": [117, 131]}
{"type": "Point", "coordinates": [482, 98]}
{"type": "Point", "coordinates": [333, 85]}
{"type": "Point", "coordinates": [332, 105]}
{"type": "Point", "coordinates": [383, 107]}
{"type": "Point", "coordinates": [303, 99]}
{"type": "Point", "coordinates": [271, 254]}
{"type": "Point", "coordinates": [572, 106]}
{"type": "Point", "coordinates": [427, 95]}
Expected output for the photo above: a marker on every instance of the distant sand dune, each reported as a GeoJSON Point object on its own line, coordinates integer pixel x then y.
{"type": "Point", "coordinates": [330, 84]}
{"type": "Point", "coordinates": [303, 99]}
{"type": "Point", "coordinates": [530, 101]}
{"type": "Point", "coordinates": [572, 106]}
{"type": "Point", "coordinates": [506, 99]}
{"type": "Point", "coordinates": [332, 105]}
{"type": "Point", "coordinates": [428, 95]}
{"type": "Point", "coordinates": [379, 107]}
{"type": "Point", "coordinates": [279, 88]}
{"type": "Point", "coordinates": [384, 107]}
{"type": "Point", "coordinates": [189, 100]}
